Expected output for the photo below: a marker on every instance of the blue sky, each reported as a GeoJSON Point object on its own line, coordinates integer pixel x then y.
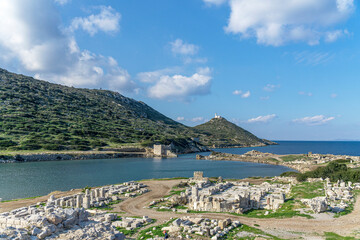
{"type": "Point", "coordinates": [282, 69]}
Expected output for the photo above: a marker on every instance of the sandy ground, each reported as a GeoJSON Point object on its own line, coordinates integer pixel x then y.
{"type": "Point", "coordinates": [287, 228]}
{"type": "Point", "coordinates": [8, 206]}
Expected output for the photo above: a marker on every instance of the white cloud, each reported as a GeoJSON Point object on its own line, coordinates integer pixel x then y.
{"type": "Point", "coordinates": [182, 48]}
{"type": "Point", "coordinates": [107, 21]}
{"type": "Point", "coordinates": [35, 41]}
{"type": "Point", "coordinates": [214, 2]}
{"type": "Point", "coordinates": [333, 95]}
{"type": "Point", "coordinates": [276, 22]}
{"type": "Point", "coordinates": [180, 119]}
{"type": "Point", "coordinates": [315, 120]}
{"type": "Point", "coordinates": [262, 119]}
{"type": "Point", "coordinates": [309, 94]}
{"type": "Point", "coordinates": [181, 87]}
{"type": "Point", "coordinates": [242, 94]}
{"type": "Point", "coordinates": [270, 87]}
{"type": "Point", "coordinates": [62, 2]}
{"type": "Point", "coordinates": [265, 98]}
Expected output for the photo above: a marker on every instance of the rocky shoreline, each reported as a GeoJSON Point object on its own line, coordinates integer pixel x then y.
{"type": "Point", "coordinates": [299, 162]}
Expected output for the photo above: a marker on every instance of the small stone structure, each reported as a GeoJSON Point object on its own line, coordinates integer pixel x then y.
{"type": "Point", "coordinates": [164, 150]}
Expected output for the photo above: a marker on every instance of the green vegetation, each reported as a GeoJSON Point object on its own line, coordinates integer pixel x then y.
{"type": "Point", "coordinates": [244, 228]}
{"type": "Point", "coordinates": [219, 132]}
{"type": "Point", "coordinates": [173, 192]}
{"type": "Point", "coordinates": [334, 171]}
{"type": "Point", "coordinates": [287, 210]}
{"type": "Point", "coordinates": [290, 158]}
{"type": "Point", "coordinates": [334, 236]}
{"type": "Point", "coordinates": [38, 115]}
{"type": "Point", "coordinates": [135, 230]}
{"type": "Point", "coordinates": [308, 190]}
{"type": "Point", "coordinates": [151, 232]}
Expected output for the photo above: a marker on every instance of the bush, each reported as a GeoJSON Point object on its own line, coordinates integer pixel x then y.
{"type": "Point", "coordinates": [4, 143]}
{"type": "Point", "coordinates": [53, 147]}
{"type": "Point", "coordinates": [82, 148]}
{"type": "Point", "coordinates": [290, 174]}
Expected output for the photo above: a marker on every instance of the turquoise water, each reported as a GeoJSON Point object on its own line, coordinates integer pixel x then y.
{"type": "Point", "coordinates": [20, 180]}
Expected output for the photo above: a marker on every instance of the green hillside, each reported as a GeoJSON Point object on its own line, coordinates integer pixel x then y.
{"type": "Point", "coordinates": [36, 114]}
{"type": "Point", "coordinates": [219, 132]}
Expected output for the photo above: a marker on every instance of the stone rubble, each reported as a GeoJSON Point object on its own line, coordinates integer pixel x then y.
{"type": "Point", "coordinates": [52, 222]}
{"type": "Point", "coordinates": [215, 229]}
{"type": "Point", "coordinates": [130, 223]}
{"type": "Point", "coordinates": [338, 197]}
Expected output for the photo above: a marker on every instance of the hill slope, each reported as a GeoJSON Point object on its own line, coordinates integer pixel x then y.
{"type": "Point", "coordinates": [36, 114]}
{"type": "Point", "coordinates": [219, 132]}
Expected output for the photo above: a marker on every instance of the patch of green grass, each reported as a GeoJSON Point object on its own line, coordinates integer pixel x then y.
{"type": "Point", "coordinates": [334, 236]}
{"type": "Point", "coordinates": [173, 192]}
{"type": "Point", "coordinates": [157, 232]}
{"type": "Point", "coordinates": [286, 211]}
{"type": "Point", "coordinates": [308, 190]}
{"type": "Point", "coordinates": [290, 158]}
{"type": "Point", "coordinates": [244, 228]}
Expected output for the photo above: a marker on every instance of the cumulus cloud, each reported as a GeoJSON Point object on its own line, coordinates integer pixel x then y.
{"type": "Point", "coordinates": [315, 120]}
{"type": "Point", "coordinates": [180, 47]}
{"type": "Point", "coordinates": [41, 48]}
{"type": "Point", "coordinates": [180, 119]}
{"type": "Point", "coordinates": [179, 86]}
{"type": "Point", "coordinates": [242, 94]}
{"type": "Point", "coordinates": [276, 22]}
{"type": "Point", "coordinates": [270, 87]}
{"type": "Point", "coordinates": [107, 21]}
{"type": "Point", "coordinates": [262, 119]}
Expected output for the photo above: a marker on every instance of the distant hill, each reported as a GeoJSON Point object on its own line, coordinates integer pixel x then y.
{"type": "Point", "coordinates": [219, 132]}
{"type": "Point", "coordinates": [36, 115]}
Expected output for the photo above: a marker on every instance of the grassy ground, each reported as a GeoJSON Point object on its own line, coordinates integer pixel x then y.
{"type": "Point", "coordinates": [308, 190]}
{"type": "Point", "coordinates": [244, 228]}
{"type": "Point", "coordinates": [287, 210]}
{"type": "Point", "coordinates": [153, 231]}
{"type": "Point", "coordinates": [334, 236]}
{"type": "Point", "coordinates": [290, 158]}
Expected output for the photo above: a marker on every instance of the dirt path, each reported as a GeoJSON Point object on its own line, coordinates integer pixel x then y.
{"type": "Point", "coordinates": [344, 226]}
